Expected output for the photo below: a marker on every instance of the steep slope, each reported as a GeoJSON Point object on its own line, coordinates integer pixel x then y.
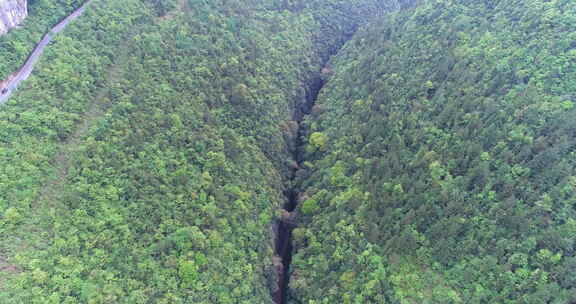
{"type": "Point", "coordinates": [441, 160]}
{"type": "Point", "coordinates": [148, 158]}
{"type": "Point", "coordinates": [150, 152]}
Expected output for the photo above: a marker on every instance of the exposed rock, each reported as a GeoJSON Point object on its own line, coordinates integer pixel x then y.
{"type": "Point", "coordinates": [12, 13]}
{"type": "Point", "coordinates": [278, 292]}
{"type": "Point", "coordinates": [289, 218]}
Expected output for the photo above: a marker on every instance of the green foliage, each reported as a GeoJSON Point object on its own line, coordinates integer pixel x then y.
{"type": "Point", "coordinates": [188, 272]}
{"type": "Point", "coordinates": [318, 140]}
{"type": "Point", "coordinates": [143, 161]}
{"type": "Point", "coordinates": [450, 156]}
{"type": "Point", "coordinates": [310, 206]}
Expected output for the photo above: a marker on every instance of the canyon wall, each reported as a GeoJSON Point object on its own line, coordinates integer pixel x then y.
{"type": "Point", "coordinates": [12, 13]}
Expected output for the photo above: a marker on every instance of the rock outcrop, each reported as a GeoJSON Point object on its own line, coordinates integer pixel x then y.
{"type": "Point", "coordinates": [12, 13]}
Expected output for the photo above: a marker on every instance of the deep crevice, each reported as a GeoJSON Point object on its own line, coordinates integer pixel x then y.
{"type": "Point", "coordinates": [287, 222]}
{"type": "Point", "coordinates": [285, 225]}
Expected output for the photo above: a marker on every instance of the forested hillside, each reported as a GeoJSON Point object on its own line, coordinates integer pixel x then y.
{"type": "Point", "coordinates": [158, 149]}
{"type": "Point", "coordinates": [147, 158]}
{"type": "Point", "coordinates": [441, 163]}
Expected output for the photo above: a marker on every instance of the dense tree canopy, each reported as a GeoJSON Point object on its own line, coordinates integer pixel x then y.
{"type": "Point", "coordinates": [448, 169]}
{"type": "Point", "coordinates": [147, 158]}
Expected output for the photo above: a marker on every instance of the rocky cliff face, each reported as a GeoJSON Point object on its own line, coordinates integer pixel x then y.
{"type": "Point", "coordinates": [12, 13]}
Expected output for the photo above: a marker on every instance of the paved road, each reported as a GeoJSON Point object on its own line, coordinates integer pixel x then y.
{"type": "Point", "coordinates": [9, 85]}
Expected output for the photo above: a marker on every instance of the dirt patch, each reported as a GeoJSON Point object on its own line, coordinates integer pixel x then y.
{"type": "Point", "coordinates": [7, 269]}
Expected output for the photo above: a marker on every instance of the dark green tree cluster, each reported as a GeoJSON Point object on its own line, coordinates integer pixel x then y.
{"type": "Point", "coordinates": [441, 163]}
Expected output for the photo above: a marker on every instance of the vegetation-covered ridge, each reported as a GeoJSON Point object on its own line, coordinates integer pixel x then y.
{"type": "Point", "coordinates": [441, 160]}
{"type": "Point", "coordinates": [146, 158]}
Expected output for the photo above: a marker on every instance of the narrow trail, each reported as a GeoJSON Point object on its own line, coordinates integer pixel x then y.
{"type": "Point", "coordinates": [52, 190]}
{"type": "Point", "coordinates": [54, 187]}
{"type": "Point", "coordinates": [62, 162]}
{"type": "Point", "coordinates": [8, 85]}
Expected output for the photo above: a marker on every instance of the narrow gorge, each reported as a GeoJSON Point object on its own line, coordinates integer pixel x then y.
{"type": "Point", "coordinates": [287, 221]}
{"type": "Point", "coordinates": [289, 213]}
{"type": "Point", "coordinates": [288, 152]}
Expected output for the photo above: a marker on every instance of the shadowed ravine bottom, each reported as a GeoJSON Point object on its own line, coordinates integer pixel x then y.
{"type": "Point", "coordinates": [287, 223]}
